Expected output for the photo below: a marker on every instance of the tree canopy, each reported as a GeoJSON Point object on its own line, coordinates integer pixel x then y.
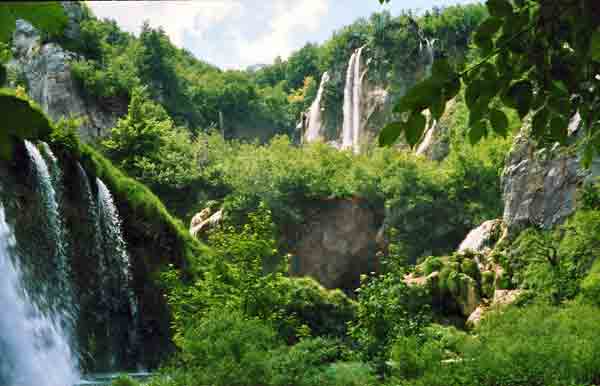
{"type": "Point", "coordinates": [541, 58]}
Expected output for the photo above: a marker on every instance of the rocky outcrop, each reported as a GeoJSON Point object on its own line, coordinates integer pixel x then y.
{"type": "Point", "coordinates": [540, 184]}
{"type": "Point", "coordinates": [482, 239]}
{"type": "Point", "coordinates": [205, 220]}
{"type": "Point", "coordinates": [502, 298]}
{"type": "Point", "coordinates": [45, 67]}
{"type": "Point", "coordinates": [337, 243]}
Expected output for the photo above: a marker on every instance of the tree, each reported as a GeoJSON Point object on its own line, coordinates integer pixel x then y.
{"type": "Point", "coordinates": [148, 146]}
{"type": "Point", "coordinates": [539, 57]}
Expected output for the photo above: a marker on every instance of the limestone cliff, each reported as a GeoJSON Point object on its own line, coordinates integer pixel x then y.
{"type": "Point", "coordinates": [44, 67]}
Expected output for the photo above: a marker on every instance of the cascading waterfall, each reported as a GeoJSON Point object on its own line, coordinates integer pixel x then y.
{"type": "Point", "coordinates": [351, 130]}
{"type": "Point", "coordinates": [315, 123]}
{"type": "Point", "coordinates": [34, 346]}
{"type": "Point", "coordinates": [115, 254]}
{"type": "Point", "coordinates": [57, 296]}
{"type": "Point", "coordinates": [430, 50]}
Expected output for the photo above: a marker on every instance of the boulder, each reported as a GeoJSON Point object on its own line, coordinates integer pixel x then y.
{"type": "Point", "coordinates": [46, 69]}
{"type": "Point", "coordinates": [502, 298]}
{"type": "Point", "coordinates": [204, 221]}
{"type": "Point", "coordinates": [481, 240]}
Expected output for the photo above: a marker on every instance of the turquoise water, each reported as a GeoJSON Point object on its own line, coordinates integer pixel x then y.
{"type": "Point", "coordinates": [106, 379]}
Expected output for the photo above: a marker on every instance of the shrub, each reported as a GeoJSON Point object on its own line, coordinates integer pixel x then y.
{"type": "Point", "coordinates": [535, 345]}
{"type": "Point", "coordinates": [228, 349]}
{"type": "Point", "coordinates": [304, 363]}
{"type": "Point", "coordinates": [348, 374]}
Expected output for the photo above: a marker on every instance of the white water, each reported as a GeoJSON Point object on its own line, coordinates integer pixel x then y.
{"type": "Point", "coordinates": [116, 255]}
{"type": "Point", "coordinates": [430, 51]}
{"type": "Point", "coordinates": [315, 123]}
{"type": "Point", "coordinates": [48, 196]}
{"type": "Point", "coordinates": [35, 349]}
{"type": "Point", "coordinates": [351, 131]}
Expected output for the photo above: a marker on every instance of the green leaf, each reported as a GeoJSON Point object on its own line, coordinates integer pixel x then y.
{"type": "Point", "coordinates": [477, 131]}
{"type": "Point", "coordinates": [7, 23]}
{"type": "Point", "coordinates": [442, 70]}
{"type": "Point", "coordinates": [539, 122]}
{"type": "Point", "coordinates": [473, 92]}
{"type": "Point", "coordinates": [415, 128]}
{"type": "Point", "coordinates": [520, 97]}
{"type": "Point", "coordinates": [499, 8]}
{"type": "Point", "coordinates": [595, 46]}
{"type": "Point", "coordinates": [485, 33]}
{"type": "Point", "coordinates": [5, 146]}
{"type": "Point", "coordinates": [419, 97]}
{"type": "Point", "coordinates": [390, 133]}
{"type": "Point", "coordinates": [452, 88]}
{"type": "Point", "coordinates": [558, 128]}
{"type": "Point", "coordinates": [499, 122]}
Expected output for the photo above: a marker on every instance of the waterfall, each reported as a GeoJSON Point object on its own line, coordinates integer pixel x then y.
{"type": "Point", "coordinates": [430, 51]}
{"type": "Point", "coordinates": [57, 293]}
{"type": "Point", "coordinates": [116, 266]}
{"type": "Point", "coordinates": [351, 131]}
{"type": "Point", "coordinates": [313, 132]}
{"type": "Point", "coordinates": [35, 350]}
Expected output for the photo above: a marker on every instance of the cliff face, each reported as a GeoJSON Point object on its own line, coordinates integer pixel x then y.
{"type": "Point", "coordinates": [540, 184]}
{"type": "Point", "coordinates": [45, 70]}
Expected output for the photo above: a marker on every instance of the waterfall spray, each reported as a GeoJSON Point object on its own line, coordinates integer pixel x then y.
{"type": "Point", "coordinates": [351, 131]}
{"type": "Point", "coordinates": [35, 349]}
{"type": "Point", "coordinates": [313, 132]}
{"type": "Point", "coordinates": [115, 253]}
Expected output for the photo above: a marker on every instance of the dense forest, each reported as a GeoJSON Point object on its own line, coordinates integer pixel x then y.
{"type": "Point", "coordinates": [305, 263]}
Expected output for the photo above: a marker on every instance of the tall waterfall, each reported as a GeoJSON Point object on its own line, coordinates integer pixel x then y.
{"type": "Point", "coordinates": [57, 294]}
{"type": "Point", "coordinates": [313, 132]}
{"type": "Point", "coordinates": [35, 350]}
{"type": "Point", "coordinates": [430, 51]}
{"type": "Point", "coordinates": [351, 131]}
{"type": "Point", "coordinates": [116, 264]}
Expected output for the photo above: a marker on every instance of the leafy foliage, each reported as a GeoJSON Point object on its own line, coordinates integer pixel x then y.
{"type": "Point", "coordinates": [538, 58]}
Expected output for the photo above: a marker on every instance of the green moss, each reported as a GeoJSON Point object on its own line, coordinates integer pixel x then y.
{"type": "Point", "coordinates": [431, 264]}
{"type": "Point", "coordinates": [21, 118]}
{"type": "Point", "coordinates": [171, 240]}
{"type": "Point", "coordinates": [487, 284]}
{"type": "Point", "coordinates": [470, 268]}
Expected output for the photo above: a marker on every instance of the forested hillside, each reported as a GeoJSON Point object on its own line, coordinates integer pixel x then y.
{"type": "Point", "coordinates": [463, 252]}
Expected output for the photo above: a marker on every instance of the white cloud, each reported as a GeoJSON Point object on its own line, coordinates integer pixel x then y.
{"type": "Point", "coordinates": [173, 16]}
{"type": "Point", "coordinates": [229, 33]}
{"type": "Point", "coordinates": [238, 33]}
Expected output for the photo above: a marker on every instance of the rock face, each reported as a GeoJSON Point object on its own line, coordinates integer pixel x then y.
{"type": "Point", "coordinates": [337, 244]}
{"type": "Point", "coordinates": [204, 220]}
{"type": "Point", "coordinates": [539, 185]}
{"type": "Point", "coordinates": [482, 238]}
{"type": "Point", "coordinates": [45, 68]}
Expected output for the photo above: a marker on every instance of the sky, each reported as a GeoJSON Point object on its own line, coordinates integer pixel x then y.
{"type": "Point", "coordinates": [234, 34]}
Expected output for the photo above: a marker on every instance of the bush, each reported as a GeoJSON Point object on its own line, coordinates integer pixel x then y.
{"type": "Point", "coordinates": [348, 374]}
{"type": "Point", "coordinates": [536, 345]}
{"type": "Point", "coordinates": [388, 308]}
{"type": "Point", "coordinates": [228, 349]}
{"type": "Point", "coordinates": [304, 363]}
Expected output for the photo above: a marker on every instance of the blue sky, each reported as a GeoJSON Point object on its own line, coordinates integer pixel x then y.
{"type": "Point", "coordinates": [238, 33]}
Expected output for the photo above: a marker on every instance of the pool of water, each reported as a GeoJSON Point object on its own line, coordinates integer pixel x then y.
{"type": "Point", "coordinates": [106, 379]}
